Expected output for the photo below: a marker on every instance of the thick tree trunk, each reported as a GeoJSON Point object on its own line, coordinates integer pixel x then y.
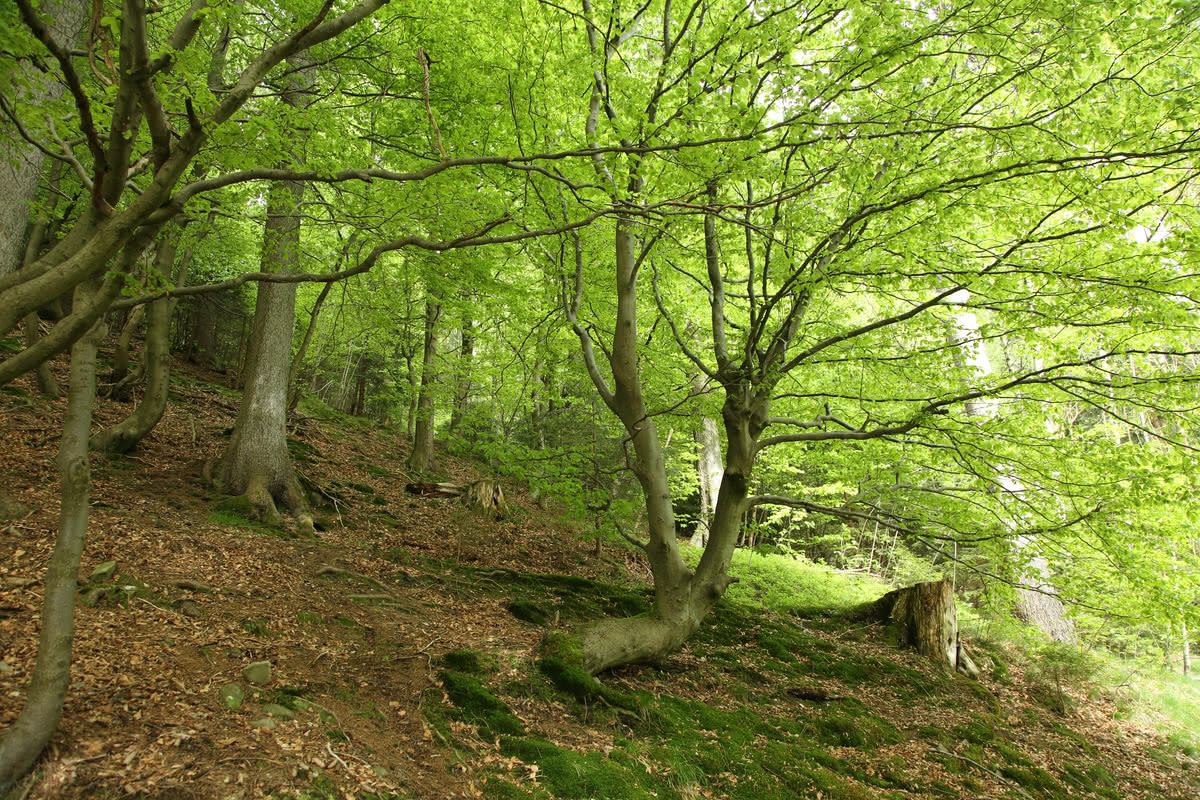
{"type": "Point", "coordinates": [23, 742]}
{"type": "Point", "coordinates": [923, 617]}
{"type": "Point", "coordinates": [256, 463]}
{"type": "Point", "coordinates": [1039, 605]}
{"type": "Point", "coordinates": [421, 456]}
{"type": "Point", "coordinates": [20, 162]}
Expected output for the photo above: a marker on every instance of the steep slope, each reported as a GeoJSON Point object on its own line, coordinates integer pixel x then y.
{"type": "Point", "coordinates": [403, 643]}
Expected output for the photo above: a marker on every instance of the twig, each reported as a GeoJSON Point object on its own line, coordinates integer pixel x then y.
{"type": "Point", "coordinates": [329, 749]}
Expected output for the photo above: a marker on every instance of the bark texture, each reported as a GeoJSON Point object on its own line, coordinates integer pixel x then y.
{"type": "Point", "coordinates": [20, 162]}
{"type": "Point", "coordinates": [1038, 602]}
{"type": "Point", "coordinates": [24, 741]}
{"type": "Point", "coordinates": [256, 462]}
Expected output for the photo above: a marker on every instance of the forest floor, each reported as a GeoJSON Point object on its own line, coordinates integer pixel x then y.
{"type": "Point", "coordinates": [403, 644]}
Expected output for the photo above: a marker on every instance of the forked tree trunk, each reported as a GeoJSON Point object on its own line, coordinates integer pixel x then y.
{"type": "Point", "coordinates": [421, 456]}
{"type": "Point", "coordinates": [923, 617]}
{"type": "Point", "coordinates": [23, 742]}
{"type": "Point", "coordinates": [682, 597]}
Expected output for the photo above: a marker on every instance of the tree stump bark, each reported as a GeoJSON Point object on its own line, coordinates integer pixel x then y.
{"type": "Point", "coordinates": [923, 617]}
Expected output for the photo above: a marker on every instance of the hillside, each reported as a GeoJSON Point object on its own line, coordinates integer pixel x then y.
{"type": "Point", "coordinates": [403, 645]}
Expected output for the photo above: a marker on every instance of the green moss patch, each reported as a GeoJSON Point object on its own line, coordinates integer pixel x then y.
{"type": "Point", "coordinates": [477, 704]}
{"type": "Point", "coordinates": [527, 611]}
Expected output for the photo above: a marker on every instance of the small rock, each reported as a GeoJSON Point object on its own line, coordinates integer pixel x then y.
{"type": "Point", "coordinates": [92, 597]}
{"type": "Point", "coordinates": [193, 586]}
{"type": "Point", "coordinates": [189, 608]}
{"type": "Point", "coordinates": [103, 572]}
{"type": "Point", "coordinates": [231, 695]}
{"type": "Point", "coordinates": [276, 710]}
{"type": "Point", "coordinates": [380, 772]}
{"type": "Point", "coordinates": [266, 723]}
{"type": "Point", "coordinates": [259, 672]}
{"type": "Point", "coordinates": [5, 669]}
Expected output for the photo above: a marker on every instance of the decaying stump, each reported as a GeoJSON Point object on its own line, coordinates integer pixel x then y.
{"type": "Point", "coordinates": [485, 495]}
{"type": "Point", "coordinates": [922, 616]}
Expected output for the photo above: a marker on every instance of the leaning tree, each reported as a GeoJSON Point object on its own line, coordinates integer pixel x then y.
{"type": "Point", "coordinates": [834, 184]}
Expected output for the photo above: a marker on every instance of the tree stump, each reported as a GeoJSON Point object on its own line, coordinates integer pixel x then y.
{"type": "Point", "coordinates": [923, 616]}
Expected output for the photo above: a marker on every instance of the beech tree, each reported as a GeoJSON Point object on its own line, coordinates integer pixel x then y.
{"type": "Point", "coordinates": [862, 168]}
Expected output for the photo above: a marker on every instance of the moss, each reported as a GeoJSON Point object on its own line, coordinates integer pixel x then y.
{"type": "Point", "coordinates": [777, 648]}
{"type": "Point", "coordinates": [569, 774]}
{"type": "Point", "coordinates": [463, 661]}
{"type": "Point", "coordinates": [979, 731]}
{"type": "Point", "coordinates": [527, 612]}
{"type": "Point", "coordinates": [862, 731]}
{"type": "Point", "coordinates": [1092, 778]}
{"type": "Point", "coordinates": [378, 472]}
{"type": "Point", "coordinates": [1034, 778]}
{"type": "Point", "coordinates": [629, 604]}
{"type": "Point", "coordinates": [477, 704]}
{"type": "Point", "coordinates": [579, 684]}
{"type": "Point", "coordinates": [1011, 754]}
{"type": "Point", "coordinates": [302, 451]}
{"type": "Point", "coordinates": [563, 646]}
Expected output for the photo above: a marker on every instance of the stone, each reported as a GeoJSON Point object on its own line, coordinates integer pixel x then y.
{"type": "Point", "coordinates": [276, 710]}
{"type": "Point", "coordinates": [92, 597]}
{"type": "Point", "coordinates": [103, 572]}
{"type": "Point", "coordinates": [266, 723]}
{"type": "Point", "coordinates": [231, 695]}
{"type": "Point", "coordinates": [189, 608]}
{"type": "Point", "coordinates": [258, 673]}
{"type": "Point", "coordinates": [6, 669]}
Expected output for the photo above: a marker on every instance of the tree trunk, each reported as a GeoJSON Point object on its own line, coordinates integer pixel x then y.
{"type": "Point", "coordinates": [1187, 648]}
{"type": "Point", "coordinates": [256, 463]}
{"type": "Point", "coordinates": [25, 740]}
{"type": "Point", "coordinates": [709, 468]}
{"type": "Point", "coordinates": [1039, 605]}
{"type": "Point", "coordinates": [20, 162]}
{"type": "Point", "coordinates": [126, 434]}
{"type": "Point", "coordinates": [421, 456]}
{"type": "Point", "coordinates": [923, 617]}
{"type": "Point", "coordinates": [462, 380]}
{"type": "Point", "coordinates": [120, 362]}
{"type": "Point", "coordinates": [298, 360]}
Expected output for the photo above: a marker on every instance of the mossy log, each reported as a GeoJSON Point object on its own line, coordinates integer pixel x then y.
{"type": "Point", "coordinates": [923, 617]}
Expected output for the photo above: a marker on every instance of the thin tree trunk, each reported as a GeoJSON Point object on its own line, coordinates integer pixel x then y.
{"type": "Point", "coordinates": [1187, 648]}
{"type": "Point", "coordinates": [126, 434]}
{"type": "Point", "coordinates": [462, 384]}
{"type": "Point", "coordinates": [421, 457]}
{"type": "Point", "coordinates": [294, 372]}
{"type": "Point", "coordinates": [708, 466]}
{"type": "Point", "coordinates": [120, 362]}
{"type": "Point", "coordinates": [37, 235]}
{"type": "Point", "coordinates": [25, 740]}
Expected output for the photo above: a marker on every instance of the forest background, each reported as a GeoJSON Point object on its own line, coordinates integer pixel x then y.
{"type": "Point", "coordinates": [895, 286]}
